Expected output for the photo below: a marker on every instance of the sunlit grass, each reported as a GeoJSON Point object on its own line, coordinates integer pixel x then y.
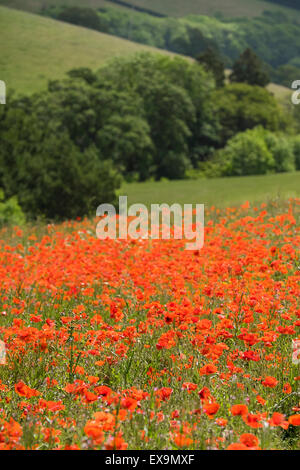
{"type": "Point", "coordinates": [219, 192]}
{"type": "Point", "coordinates": [37, 49]}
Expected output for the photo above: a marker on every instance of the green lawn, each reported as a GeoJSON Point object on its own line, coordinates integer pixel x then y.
{"type": "Point", "coordinates": [231, 8]}
{"type": "Point", "coordinates": [218, 192]}
{"type": "Point", "coordinates": [36, 49]}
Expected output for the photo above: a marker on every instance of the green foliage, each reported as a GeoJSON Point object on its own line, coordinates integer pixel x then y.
{"type": "Point", "coordinates": [80, 16]}
{"type": "Point", "coordinates": [63, 150]}
{"type": "Point", "coordinates": [126, 139]}
{"type": "Point", "coordinates": [282, 149]}
{"type": "Point", "coordinates": [43, 166]}
{"type": "Point", "coordinates": [84, 73]}
{"type": "Point", "coordinates": [212, 61]}
{"type": "Point", "coordinates": [240, 107]}
{"type": "Point", "coordinates": [10, 211]}
{"type": "Point", "coordinates": [245, 154]}
{"type": "Point", "coordinates": [177, 104]}
{"type": "Point", "coordinates": [248, 68]}
{"type": "Point", "coordinates": [286, 74]}
{"type": "Point", "coordinates": [297, 152]}
{"type": "Point", "coordinates": [256, 151]}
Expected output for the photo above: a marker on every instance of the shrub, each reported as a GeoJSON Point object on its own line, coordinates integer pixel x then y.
{"type": "Point", "coordinates": [10, 211]}
{"type": "Point", "coordinates": [282, 149]}
{"type": "Point", "coordinates": [246, 154]}
{"type": "Point", "coordinates": [257, 151]}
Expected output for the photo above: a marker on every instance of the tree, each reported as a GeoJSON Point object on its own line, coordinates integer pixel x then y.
{"type": "Point", "coordinates": [126, 140]}
{"type": "Point", "coordinates": [248, 68]}
{"type": "Point", "coordinates": [58, 181]}
{"type": "Point", "coordinates": [86, 17]}
{"type": "Point", "coordinates": [42, 165]}
{"type": "Point", "coordinates": [197, 41]}
{"type": "Point", "coordinates": [176, 98]}
{"type": "Point", "coordinates": [239, 107]}
{"type": "Point", "coordinates": [212, 61]}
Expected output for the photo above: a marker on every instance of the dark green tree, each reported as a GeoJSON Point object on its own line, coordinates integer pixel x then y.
{"type": "Point", "coordinates": [82, 16]}
{"type": "Point", "coordinates": [239, 107]}
{"type": "Point", "coordinates": [248, 68]}
{"type": "Point", "coordinates": [44, 167]}
{"type": "Point", "coordinates": [177, 103]}
{"type": "Point", "coordinates": [84, 73]}
{"type": "Point", "coordinates": [126, 140]}
{"type": "Point", "coordinates": [212, 61]}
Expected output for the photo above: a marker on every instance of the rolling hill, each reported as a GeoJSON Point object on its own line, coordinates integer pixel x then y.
{"type": "Point", "coordinates": [228, 8]}
{"type": "Point", "coordinates": [38, 49]}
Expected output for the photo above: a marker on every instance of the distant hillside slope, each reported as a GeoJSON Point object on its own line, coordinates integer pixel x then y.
{"type": "Point", "coordinates": [229, 8]}
{"type": "Point", "coordinates": [35, 6]}
{"type": "Point", "coordinates": [38, 49]}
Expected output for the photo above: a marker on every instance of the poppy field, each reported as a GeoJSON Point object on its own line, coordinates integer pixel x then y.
{"type": "Point", "coordinates": [140, 344]}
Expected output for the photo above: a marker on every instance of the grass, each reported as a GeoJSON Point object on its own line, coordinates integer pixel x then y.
{"type": "Point", "coordinates": [229, 8]}
{"type": "Point", "coordinates": [281, 93]}
{"type": "Point", "coordinates": [220, 192]}
{"type": "Point", "coordinates": [38, 49]}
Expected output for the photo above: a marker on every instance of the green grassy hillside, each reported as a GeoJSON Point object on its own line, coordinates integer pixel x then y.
{"type": "Point", "coordinates": [231, 8]}
{"type": "Point", "coordinates": [38, 49]}
{"type": "Point", "coordinates": [219, 192]}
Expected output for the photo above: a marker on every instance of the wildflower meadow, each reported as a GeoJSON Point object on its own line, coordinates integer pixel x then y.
{"type": "Point", "coordinates": [141, 344]}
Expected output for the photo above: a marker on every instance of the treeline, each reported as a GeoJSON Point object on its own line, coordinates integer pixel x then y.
{"type": "Point", "coordinates": [65, 150]}
{"type": "Point", "coordinates": [275, 37]}
{"type": "Point", "coordinates": [137, 8]}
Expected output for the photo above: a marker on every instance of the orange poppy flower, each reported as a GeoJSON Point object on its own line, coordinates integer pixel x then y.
{"type": "Point", "coordinates": [239, 410]}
